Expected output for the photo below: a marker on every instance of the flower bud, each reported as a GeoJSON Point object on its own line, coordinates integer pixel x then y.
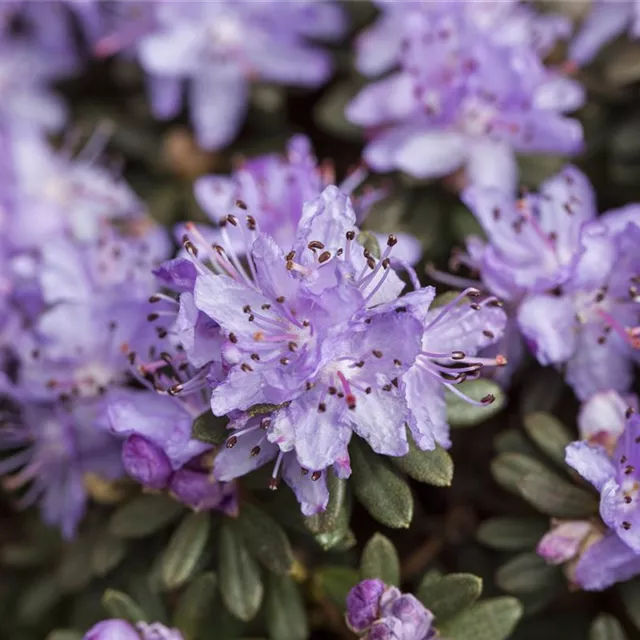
{"type": "Point", "coordinates": [363, 604]}
{"type": "Point", "coordinates": [145, 462]}
{"type": "Point", "coordinates": [112, 630]}
{"type": "Point", "coordinates": [197, 489]}
{"type": "Point", "coordinates": [563, 542]}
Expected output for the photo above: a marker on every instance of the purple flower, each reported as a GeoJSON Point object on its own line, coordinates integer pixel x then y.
{"type": "Point", "coordinates": [53, 194]}
{"type": "Point", "coordinates": [122, 630]}
{"type": "Point", "coordinates": [384, 613]}
{"type": "Point", "coordinates": [470, 91]}
{"type": "Point", "coordinates": [605, 22]}
{"type": "Point", "coordinates": [569, 277]}
{"type": "Point", "coordinates": [321, 334]}
{"type": "Point", "coordinates": [565, 540]}
{"type": "Point", "coordinates": [220, 48]}
{"type": "Point", "coordinates": [57, 445]}
{"type": "Point", "coordinates": [616, 557]}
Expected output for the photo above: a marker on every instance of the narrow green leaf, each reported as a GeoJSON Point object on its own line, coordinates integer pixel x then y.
{"type": "Point", "coordinates": [606, 627]}
{"type": "Point", "coordinates": [328, 520]}
{"type": "Point", "coordinates": [265, 539]}
{"type": "Point", "coordinates": [285, 610]}
{"type": "Point", "coordinates": [551, 495]}
{"type": "Point", "coordinates": [549, 434]}
{"type": "Point", "coordinates": [512, 534]}
{"type": "Point", "coordinates": [107, 553]}
{"type": "Point", "coordinates": [509, 469]}
{"type": "Point", "coordinates": [75, 571]}
{"type": "Point", "coordinates": [333, 583]}
{"type": "Point", "coordinates": [462, 414]}
{"type": "Point", "coordinates": [514, 441]}
{"type": "Point", "coordinates": [341, 537]}
{"type": "Point", "coordinates": [380, 560]}
{"type": "Point", "coordinates": [195, 604]}
{"type": "Point", "coordinates": [384, 494]}
{"type": "Point", "coordinates": [449, 595]}
{"type": "Point", "coordinates": [39, 597]}
{"type": "Point", "coordinates": [209, 428]}
{"type": "Point", "coordinates": [143, 516]}
{"type": "Point", "coordinates": [240, 583]}
{"type": "Point", "coordinates": [493, 619]}
{"type": "Point", "coordinates": [185, 549]}
{"type": "Point", "coordinates": [630, 592]}
{"type": "Point", "coordinates": [528, 573]}
{"type": "Point", "coordinates": [433, 467]}
{"type": "Point", "coordinates": [120, 605]}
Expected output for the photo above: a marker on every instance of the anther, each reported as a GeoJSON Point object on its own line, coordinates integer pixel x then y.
{"type": "Point", "coordinates": [231, 442]}
{"type": "Point", "coordinates": [392, 241]}
{"type": "Point", "coordinates": [280, 299]}
{"type": "Point", "coordinates": [290, 256]}
{"type": "Point", "coordinates": [233, 338]}
{"type": "Point", "coordinates": [351, 235]}
{"type": "Point", "coordinates": [626, 525]}
{"type": "Point", "coordinates": [458, 355]}
{"type": "Point", "coordinates": [322, 407]}
{"type": "Point", "coordinates": [316, 475]}
{"type": "Point", "coordinates": [246, 367]}
{"type": "Point", "coordinates": [154, 298]}
{"type": "Point", "coordinates": [284, 361]}
{"type": "Point", "coordinates": [629, 469]}
{"type": "Point", "coordinates": [251, 223]}
{"type": "Point", "coordinates": [231, 219]}
{"type": "Point", "coordinates": [488, 399]}
{"type": "Point", "coordinates": [293, 346]}
{"type": "Point", "coordinates": [315, 244]}
{"type": "Point", "coordinates": [241, 205]}
{"type": "Point", "coordinates": [397, 362]}
{"type": "Point", "coordinates": [255, 357]}
{"type": "Point", "coordinates": [332, 391]}
{"type": "Point", "coordinates": [324, 256]}
{"type": "Point", "coordinates": [152, 316]}
{"type": "Point", "coordinates": [377, 353]}
{"type": "Point", "coordinates": [488, 334]}
{"type": "Point", "coordinates": [255, 451]}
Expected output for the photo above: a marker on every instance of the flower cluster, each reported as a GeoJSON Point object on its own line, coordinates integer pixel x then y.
{"type": "Point", "coordinates": [599, 554]}
{"type": "Point", "coordinates": [221, 48]}
{"type": "Point", "coordinates": [378, 612]}
{"type": "Point", "coordinates": [568, 277]}
{"type": "Point", "coordinates": [470, 89]}
{"type": "Point", "coordinates": [314, 332]}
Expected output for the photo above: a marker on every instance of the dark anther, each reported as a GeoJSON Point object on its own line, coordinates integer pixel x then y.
{"type": "Point", "coordinates": [316, 475]}
{"type": "Point", "coordinates": [266, 307]}
{"type": "Point", "coordinates": [231, 219]}
{"type": "Point", "coordinates": [280, 299]}
{"type": "Point", "coordinates": [367, 390]}
{"type": "Point", "coordinates": [231, 442]}
{"type": "Point", "coordinates": [392, 241]}
{"type": "Point", "coordinates": [152, 316]}
{"type": "Point", "coordinates": [401, 309]}
{"type": "Point", "coordinates": [488, 334]}
{"type": "Point", "coordinates": [233, 338]}
{"type": "Point", "coordinates": [290, 256]}
{"type": "Point", "coordinates": [626, 525]}
{"type": "Point", "coordinates": [395, 383]}
{"type": "Point", "coordinates": [322, 407]}
{"type": "Point", "coordinates": [284, 361]}
{"type": "Point", "coordinates": [315, 244]}
{"type": "Point", "coordinates": [251, 318]}
{"type": "Point", "coordinates": [324, 256]}
{"type": "Point", "coordinates": [387, 387]}
{"type": "Point", "coordinates": [246, 367]}
{"type": "Point", "coordinates": [247, 308]}
{"type": "Point", "coordinates": [293, 346]}
{"type": "Point", "coordinates": [255, 451]}
{"type": "Point", "coordinates": [371, 262]}
{"type": "Point", "coordinates": [251, 223]}
{"type": "Point", "coordinates": [154, 298]}
{"type": "Point", "coordinates": [628, 470]}
{"type": "Point", "coordinates": [458, 355]}
{"type": "Point", "coordinates": [488, 399]}
{"type": "Point", "coordinates": [241, 205]}
{"type": "Point", "coordinates": [397, 362]}
{"type": "Point", "coordinates": [255, 357]}
{"type": "Point", "coordinates": [377, 353]}
{"type": "Point", "coordinates": [332, 391]}
{"type": "Point", "coordinates": [359, 364]}
{"type": "Point", "coordinates": [351, 235]}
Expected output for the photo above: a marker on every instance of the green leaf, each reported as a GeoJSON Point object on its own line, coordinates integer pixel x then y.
{"type": "Point", "coordinates": [448, 595]}
{"type": "Point", "coordinates": [333, 583]}
{"type": "Point", "coordinates": [380, 560]}
{"type": "Point", "coordinates": [329, 112]}
{"type": "Point", "coordinates": [65, 634]}
{"type": "Point", "coordinates": [40, 596]}
{"type": "Point", "coordinates": [210, 429]}
{"type": "Point", "coordinates": [383, 493]}
{"type": "Point", "coordinates": [285, 610]}
{"type": "Point", "coordinates": [493, 619]}
{"type": "Point", "coordinates": [512, 534]}
{"type": "Point", "coordinates": [370, 243]}
{"type": "Point", "coordinates": [264, 409]}
{"type": "Point", "coordinates": [265, 539]}
{"type": "Point", "coordinates": [549, 434]}
{"type": "Point", "coordinates": [143, 516]}
{"type": "Point", "coordinates": [107, 553]}
{"type": "Point", "coordinates": [433, 467]}
{"type": "Point", "coordinates": [514, 441]}
{"type": "Point", "coordinates": [551, 495]}
{"type": "Point", "coordinates": [462, 414]}
{"type": "Point", "coordinates": [120, 605]}
{"type": "Point", "coordinates": [185, 549]}
{"type": "Point", "coordinates": [328, 520]}
{"type": "Point", "coordinates": [75, 570]}
{"type": "Point", "coordinates": [240, 583]}
{"type": "Point", "coordinates": [527, 573]}
{"type": "Point", "coordinates": [606, 627]}
{"type": "Point", "coordinates": [509, 469]}
{"type": "Point", "coordinates": [544, 388]}
{"type": "Point", "coordinates": [630, 592]}
{"type": "Point", "coordinates": [195, 604]}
